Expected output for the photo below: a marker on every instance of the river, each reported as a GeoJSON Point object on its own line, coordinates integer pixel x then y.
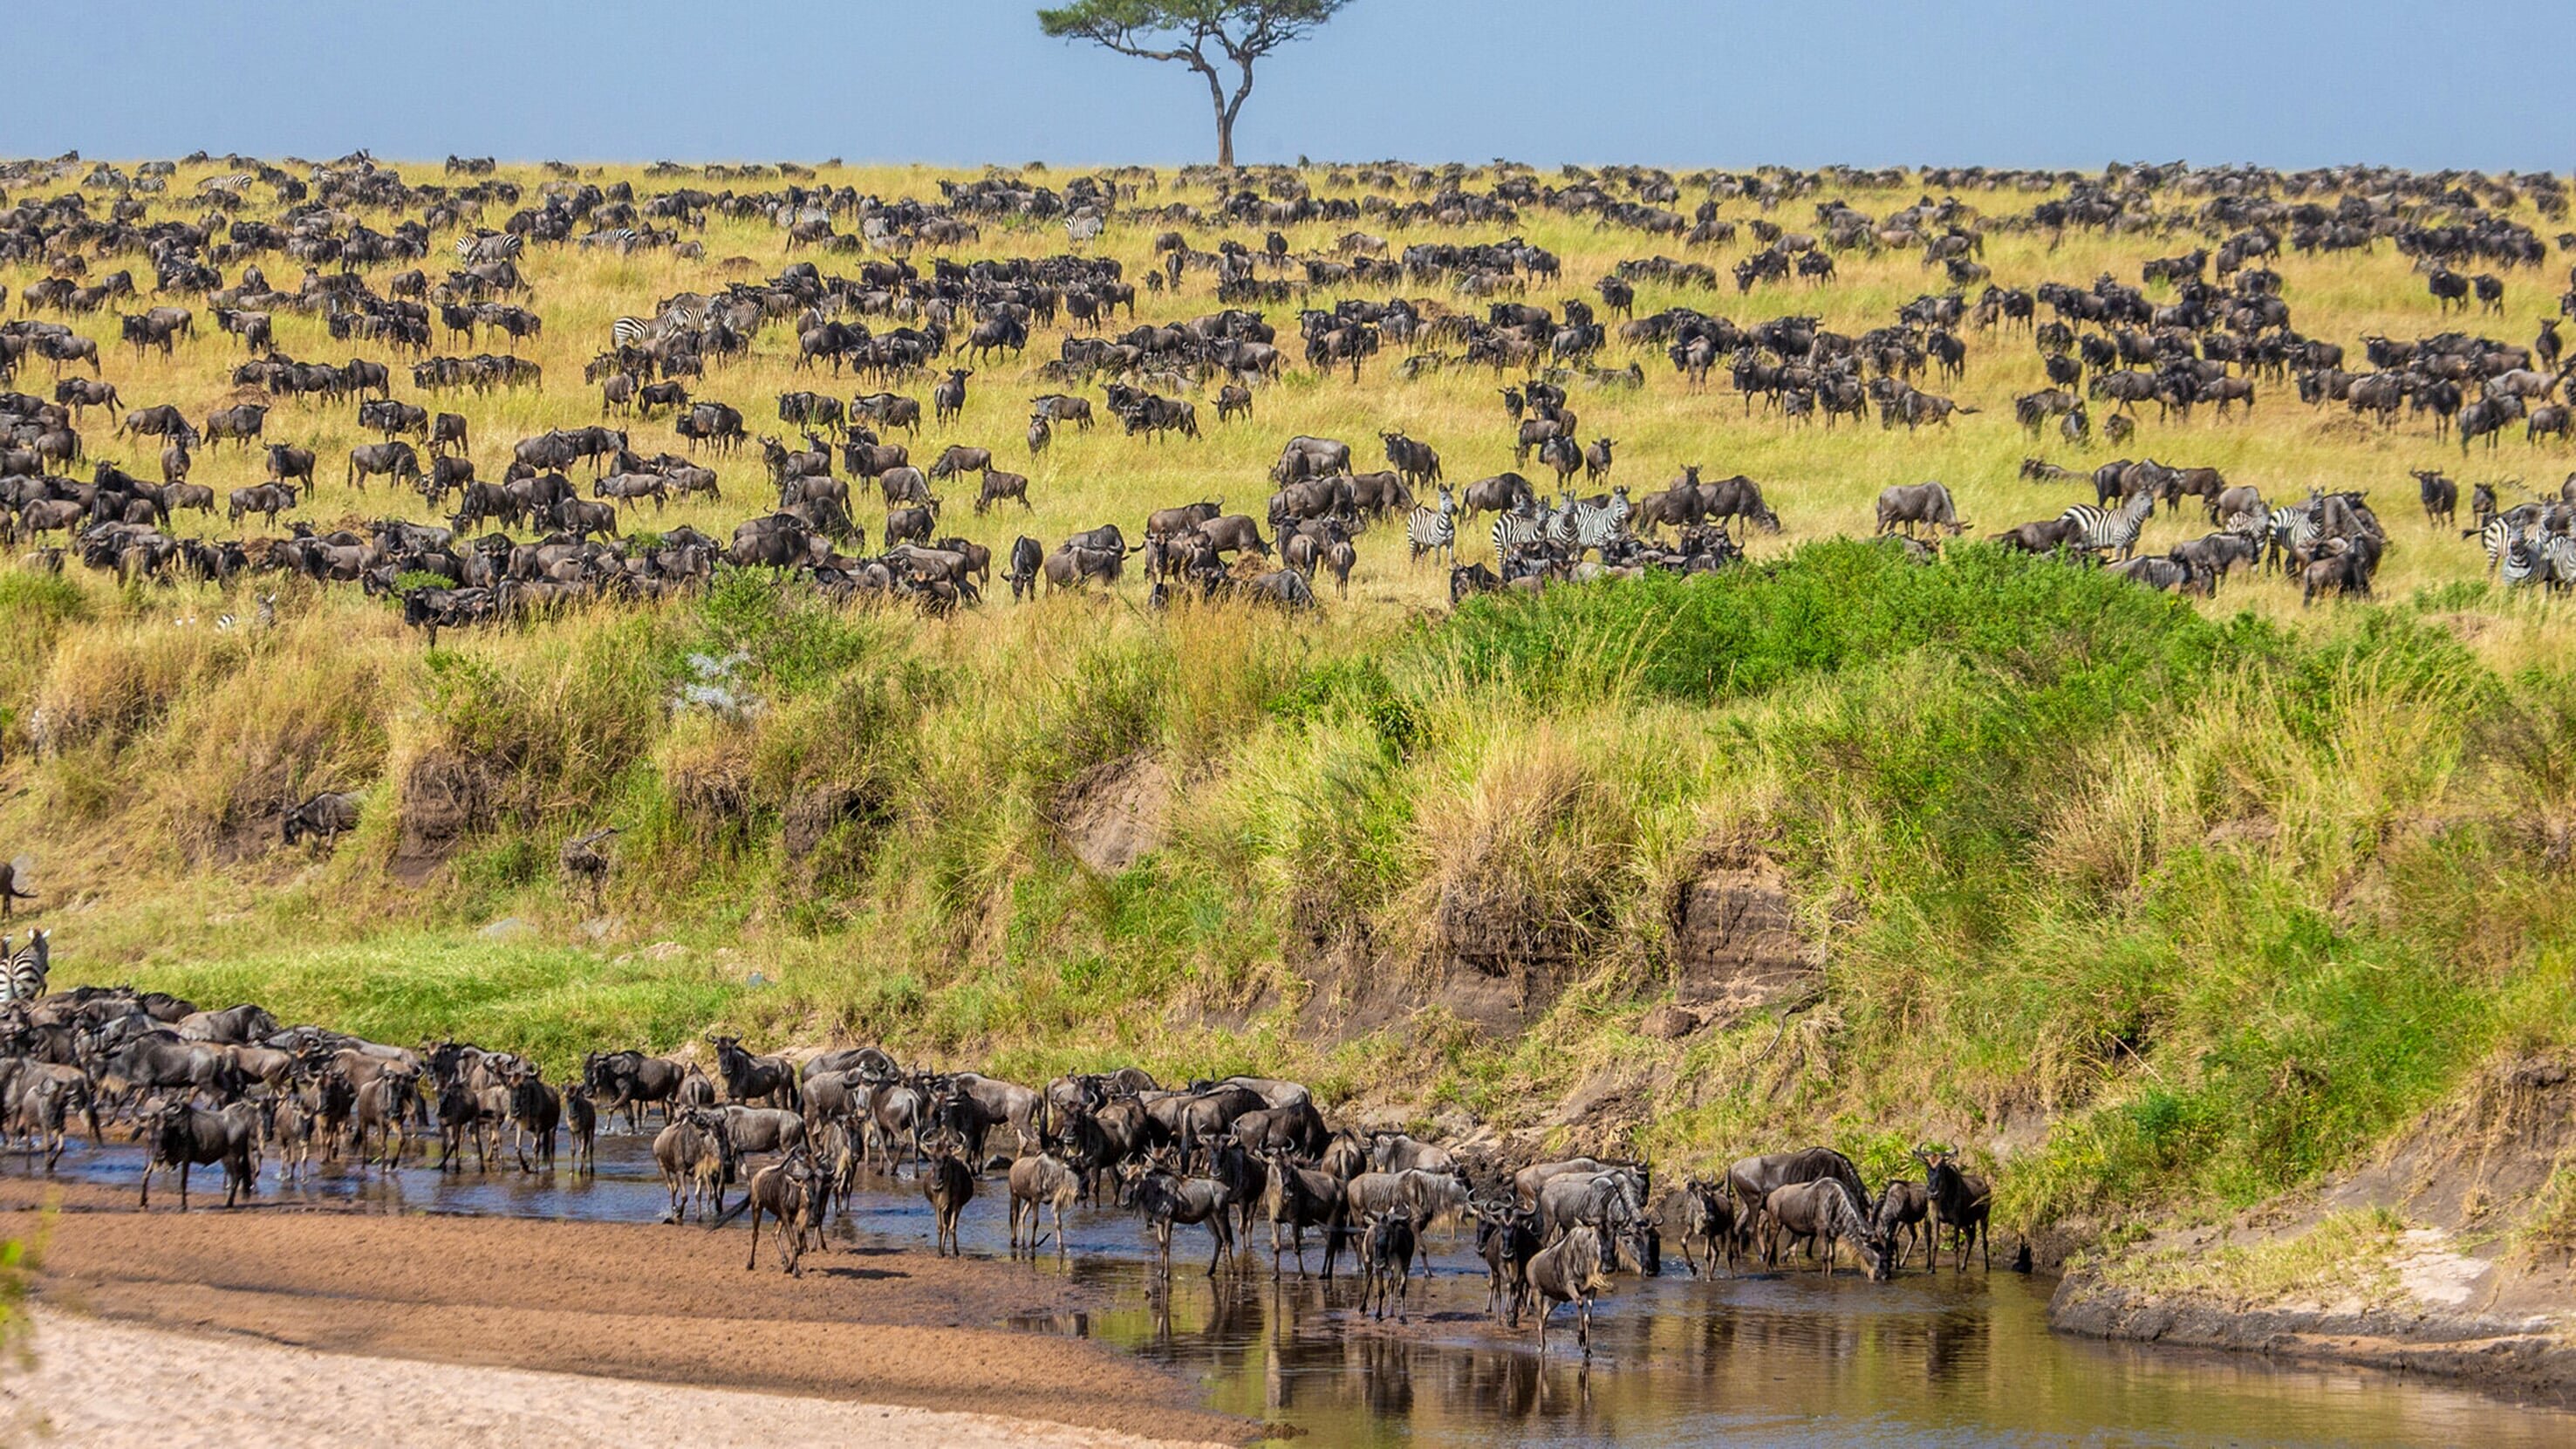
{"type": "Point", "coordinates": [1789, 1358]}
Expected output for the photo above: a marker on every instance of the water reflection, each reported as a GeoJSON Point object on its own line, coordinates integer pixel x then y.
{"type": "Point", "coordinates": [1794, 1359]}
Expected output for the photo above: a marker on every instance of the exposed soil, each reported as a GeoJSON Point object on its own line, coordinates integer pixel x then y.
{"type": "Point", "coordinates": [1737, 936]}
{"type": "Point", "coordinates": [662, 1304]}
{"type": "Point", "coordinates": [2462, 1293]}
{"type": "Point", "coordinates": [108, 1385]}
{"type": "Point", "coordinates": [1111, 815]}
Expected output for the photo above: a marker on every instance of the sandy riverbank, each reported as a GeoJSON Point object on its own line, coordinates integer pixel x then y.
{"type": "Point", "coordinates": [575, 1303]}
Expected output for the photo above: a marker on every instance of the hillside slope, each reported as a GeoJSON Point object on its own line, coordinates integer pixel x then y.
{"type": "Point", "coordinates": [2153, 911]}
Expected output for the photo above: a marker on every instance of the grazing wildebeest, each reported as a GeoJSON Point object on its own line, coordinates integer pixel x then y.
{"type": "Point", "coordinates": [183, 1136]}
{"type": "Point", "coordinates": [1568, 1272]}
{"type": "Point", "coordinates": [1027, 557]}
{"type": "Point", "coordinates": [1908, 504]}
{"type": "Point", "coordinates": [269, 499]}
{"type": "Point", "coordinates": [394, 458]}
{"type": "Point", "coordinates": [1825, 1208]}
{"type": "Point", "coordinates": [242, 423]}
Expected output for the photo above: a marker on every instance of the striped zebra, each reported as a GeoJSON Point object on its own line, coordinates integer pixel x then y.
{"type": "Point", "coordinates": [2291, 528]}
{"type": "Point", "coordinates": [1597, 526]}
{"type": "Point", "coordinates": [237, 181]}
{"type": "Point", "coordinates": [1433, 530]}
{"type": "Point", "coordinates": [2553, 558]}
{"type": "Point", "coordinates": [1514, 532]}
{"type": "Point", "coordinates": [490, 246]}
{"type": "Point", "coordinates": [644, 331]}
{"type": "Point", "coordinates": [23, 979]}
{"type": "Point", "coordinates": [620, 238]}
{"type": "Point", "coordinates": [2112, 530]}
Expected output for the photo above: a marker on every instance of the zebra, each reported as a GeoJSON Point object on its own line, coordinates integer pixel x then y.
{"type": "Point", "coordinates": [490, 246]}
{"type": "Point", "coordinates": [1433, 530]}
{"type": "Point", "coordinates": [2514, 556]}
{"type": "Point", "coordinates": [1081, 227]}
{"type": "Point", "coordinates": [24, 977]}
{"type": "Point", "coordinates": [2553, 558]}
{"type": "Point", "coordinates": [237, 181]}
{"type": "Point", "coordinates": [2112, 529]}
{"type": "Point", "coordinates": [623, 238]}
{"type": "Point", "coordinates": [644, 331]}
{"type": "Point", "coordinates": [2291, 528]}
{"type": "Point", "coordinates": [1515, 531]}
{"type": "Point", "coordinates": [1597, 526]}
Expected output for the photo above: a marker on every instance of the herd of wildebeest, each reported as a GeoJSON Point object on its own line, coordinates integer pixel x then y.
{"type": "Point", "coordinates": [792, 1141]}
{"type": "Point", "coordinates": [395, 269]}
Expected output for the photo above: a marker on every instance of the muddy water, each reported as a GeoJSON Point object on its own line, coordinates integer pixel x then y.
{"type": "Point", "coordinates": [1785, 1359]}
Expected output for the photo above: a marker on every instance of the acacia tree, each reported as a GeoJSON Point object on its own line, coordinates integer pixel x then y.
{"type": "Point", "coordinates": [1198, 34]}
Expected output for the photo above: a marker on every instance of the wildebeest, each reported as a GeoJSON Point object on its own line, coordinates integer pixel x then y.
{"type": "Point", "coordinates": [949, 1183]}
{"type": "Point", "coordinates": [394, 458]}
{"type": "Point", "coordinates": [1386, 1262]}
{"type": "Point", "coordinates": [948, 396]}
{"type": "Point", "coordinates": [1825, 1208]}
{"type": "Point", "coordinates": [696, 1155]}
{"type": "Point", "coordinates": [998, 486]}
{"type": "Point", "coordinates": [790, 1191]}
{"type": "Point", "coordinates": [1568, 1272]}
{"type": "Point", "coordinates": [1166, 1198]}
{"type": "Point", "coordinates": [1960, 1202]}
{"type": "Point", "coordinates": [324, 816]}
{"type": "Point", "coordinates": [242, 423]}
{"type": "Point", "coordinates": [184, 1136]}
{"type": "Point", "coordinates": [1040, 1181]}
{"type": "Point", "coordinates": [1908, 504]}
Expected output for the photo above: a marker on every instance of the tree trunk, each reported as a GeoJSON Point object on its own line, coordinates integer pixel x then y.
{"type": "Point", "coordinates": [1224, 115]}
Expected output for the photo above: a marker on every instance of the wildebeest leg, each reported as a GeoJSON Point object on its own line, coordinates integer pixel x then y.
{"type": "Point", "coordinates": [754, 1260]}
{"type": "Point", "coordinates": [183, 1185]}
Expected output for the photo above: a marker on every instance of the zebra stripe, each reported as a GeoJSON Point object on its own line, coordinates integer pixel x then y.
{"type": "Point", "coordinates": [1599, 526]}
{"type": "Point", "coordinates": [2109, 529]}
{"type": "Point", "coordinates": [2519, 562]}
{"type": "Point", "coordinates": [645, 331]}
{"type": "Point", "coordinates": [2292, 528]}
{"type": "Point", "coordinates": [1516, 531]}
{"type": "Point", "coordinates": [24, 977]}
{"type": "Point", "coordinates": [234, 182]}
{"type": "Point", "coordinates": [1433, 530]}
{"type": "Point", "coordinates": [490, 246]}
{"type": "Point", "coordinates": [2556, 558]}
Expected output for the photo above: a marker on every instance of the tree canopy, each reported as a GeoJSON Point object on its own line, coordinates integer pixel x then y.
{"type": "Point", "coordinates": [1200, 34]}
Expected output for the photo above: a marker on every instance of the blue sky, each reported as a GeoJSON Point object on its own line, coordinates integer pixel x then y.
{"type": "Point", "coordinates": [2002, 82]}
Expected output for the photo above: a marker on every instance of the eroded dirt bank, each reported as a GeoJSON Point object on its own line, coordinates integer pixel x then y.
{"type": "Point", "coordinates": [670, 1306]}
{"type": "Point", "coordinates": [2447, 1255]}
